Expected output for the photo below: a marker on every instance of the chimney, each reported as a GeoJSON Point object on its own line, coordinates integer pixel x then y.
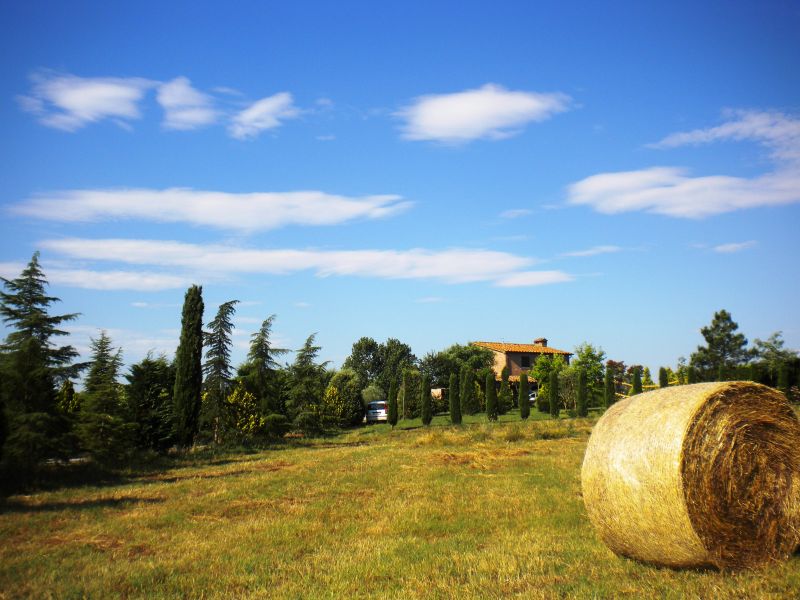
{"type": "Point", "coordinates": [540, 342]}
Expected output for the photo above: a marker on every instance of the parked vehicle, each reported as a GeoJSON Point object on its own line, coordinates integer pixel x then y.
{"type": "Point", "coordinates": [377, 411]}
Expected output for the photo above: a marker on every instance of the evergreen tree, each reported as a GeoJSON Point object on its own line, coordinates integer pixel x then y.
{"type": "Point", "coordinates": [504, 400]}
{"type": "Point", "coordinates": [455, 400]}
{"type": "Point", "coordinates": [402, 394]}
{"type": "Point", "coordinates": [392, 416]}
{"type": "Point", "coordinates": [307, 386]}
{"type": "Point", "coordinates": [104, 429]}
{"type": "Point", "coordinates": [524, 397]}
{"type": "Point", "coordinates": [31, 365]}
{"type": "Point", "coordinates": [217, 367]}
{"type": "Point", "coordinates": [783, 380]}
{"type": "Point", "coordinates": [260, 372]}
{"type": "Point", "coordinates": [552, 389]}
{"type": "Point", "coordinates": [691, 374]}
{"type": "Point", "coordinates": [610, 388]}
{"type": "Point", "coordinates": [663, 379]}
{"type": "Point", "coordinates": [636, 387]}
{"type": "Point", "coordinates": [188, 368]}
{"type": "Point", "coordinates": [342, 399]}
{"type": "Point", "coordinates": [724, 347]}
{"type": "Point", "coordinates": [469, 401]}
{"type": "Point", "coordinates": [68, 401]}
{"type": "Point", "coordinates": [491, 397]}
{"type": "Point", "coordinates": [425, 401]}
{"type": "Point", "coordinates": [151, 383]}
{"type": "Point", "coordinates": [581, 404]}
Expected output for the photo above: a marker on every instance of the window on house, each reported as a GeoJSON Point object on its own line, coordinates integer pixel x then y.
{"type": "Point", "coordinates": [525, 361]}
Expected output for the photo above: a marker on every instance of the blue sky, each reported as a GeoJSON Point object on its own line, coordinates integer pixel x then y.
{"type": "Point", "coordinates": [435, 172]}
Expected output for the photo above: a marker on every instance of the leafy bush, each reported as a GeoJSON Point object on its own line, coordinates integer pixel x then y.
{"type": "Point", "coordinates": [276, 425]}
{"type": "Point", "coordinates": [308, 422]}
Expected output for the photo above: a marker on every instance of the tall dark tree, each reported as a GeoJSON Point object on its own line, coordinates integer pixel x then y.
{"type": "Point", "coordinates": [524, 397]}
{"type": "Point", "coordinates": [469, 403]}
{"type": "Point", "coordinates": [610, 387]}
{"type": "Point", "coordinates": [217, 367]}
{"type": "Point", "coordinates": [691, 374]}
{"type": "Point", "coordinates": [783, 380]}
{"type": "Point", "coordinates": [151, 383]}
{"type": "Point", "coordinates": [425, 401]}
{"type": "Point", "coordinates": [307, 383]}
{"type": "Point", "coordinates": [504, 400]}
{"type": "Point", "coordinates": [104, 428]}
{"type": "Point", "coordinates": [663, 378]}
{"type": "Point", "coordinates": [636, 386]}
{"type": "Point", "coordinates": [260, 373]}
{"type": "Point", "coordinates": [396, 356]}
{"type": "Point", "coordinates": [552, 389]}
{"type": "Point", "coordinates": [392, 416]}
{"type": "Point", "coordinates": [725, 348]}
{"type": "Point", "coordinates": [366, 359]}
{"type": "Point", "coordinates": [581, 404]}
{"type": "Point", "coordinates": [455, 400]}
{"type": "Point", "coordinates": [31, 365]}
{"type": "Point", "coordinates": [188, 368]}
{"type": "Point", "coordinates": [491, 397]}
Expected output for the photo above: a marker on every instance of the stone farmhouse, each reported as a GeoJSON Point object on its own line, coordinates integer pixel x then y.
{"type": "Point", "coordinates": [519, 358]}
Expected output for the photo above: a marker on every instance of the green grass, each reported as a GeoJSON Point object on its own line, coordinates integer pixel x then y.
{"type": "Point", "coordinates": [478, 511]}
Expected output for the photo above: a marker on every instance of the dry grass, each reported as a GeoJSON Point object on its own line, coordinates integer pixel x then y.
{"type": "Point", "coordinates": [473, 512]}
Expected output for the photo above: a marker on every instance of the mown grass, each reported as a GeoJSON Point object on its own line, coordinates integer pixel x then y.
{"type": "Point", "coordinates": [478, 511]}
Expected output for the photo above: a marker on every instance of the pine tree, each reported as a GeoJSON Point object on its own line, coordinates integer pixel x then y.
{"type": "Point", "coordinates": [552, 389]}
{"type": "Point", "coordinates": [151, 383]}
{"type": "Point", "coordinates": [610, 388]}
{"type": "Point", "coordinates": [217, 367]}
{"type": "Point", "coordinates": [636, 388]}
{"type": "Point", "coordinates": [524, 397]}
{"type": "Point", "coordinates": [455, 400]}
{"type": "Point", "coordinates": [188, 368]}
{"type": "Point", "coordinates": [425, 401]}
{"type": "Point", "coordinates": [260, 372]}
{"type": "Point", "coordinates": [504, 398]}
{"type": "Point", "coordinates": [31, 365]}
{"type": "Point", "coordinates": [581, 405]}
{"type": "Point", "coordinates": [392, 416]}
{"type": "Point", "coordinates": [307, 386]}
{"type": "Point", "coordinates": [663, 379]}
{"type": "Point", "coordinates": [691, 374]}
{"type": "Point", "coordinates": [491, 397]}
{"type": "Point", "coordinates": [104, 429]}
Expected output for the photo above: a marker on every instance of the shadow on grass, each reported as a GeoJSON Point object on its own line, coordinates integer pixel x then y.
{"type": "Point", "coordinates": [15, 506]}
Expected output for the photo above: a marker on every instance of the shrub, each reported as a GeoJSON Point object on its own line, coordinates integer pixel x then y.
{"type": "Point", "coordinates": [308, 422]}
{"type": "Point", "coordinates": [663, 378]}
{"type": "Point", "coordinates": [276, 425]}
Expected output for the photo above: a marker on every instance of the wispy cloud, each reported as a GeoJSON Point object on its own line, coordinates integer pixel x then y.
{"type": "Point", "coordinates": [672, 191]}
{"type": "Point", "coordinates": [594, 251]}
{"type": "Point", "coordinates": [734, 247]}
{"type": "Point", "coordinates": [90, 279]}
{"type": "Point", "coordinates": [256, 211]}
{"type": "Point", "coordinates": [489, 112]}
{"type": "Point", "coordinates": [184, 106]}
{"type": "Point", "coordinates": [515, 213]}
{"type": "Point", "coordinates": [267, 113]}
{"type": "Point", "coordinates": [68, 102]}
{"type": "Point", "coordinates": [429, 300]}
{"type": "Point", "coordinates": [449, 266]}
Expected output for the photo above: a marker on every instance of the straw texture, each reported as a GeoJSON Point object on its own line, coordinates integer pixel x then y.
{"type": "Point", "coordinates": [696, 475]}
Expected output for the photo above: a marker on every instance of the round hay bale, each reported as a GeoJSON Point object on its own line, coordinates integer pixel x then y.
{"type": "Point", "coordinates": [696, 475]}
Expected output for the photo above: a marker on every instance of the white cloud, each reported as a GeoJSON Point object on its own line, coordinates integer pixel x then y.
{"type": "Point", "coordinates": [489, 112]}
{"type": "Point", "coordinates": [734, 247]}
{"type": "Point", "coordinates": [243, 212]}
{"type": "Point", "coordinates": [267, 113]}
{"type": "Point", "coordinates": [674, 192]}
{"type": "Point", "coordinates": [449, 266]}
{"type": "Point", "coordinates": [429, 300]}
{"type": "Point", "coordinates": [515, 213]}
{"type": "Point", "coordinates": [88, 279]}
{"type": "Point", "coordinates": [302, 304]}
{"type": "Point", "coordinates": [184, 106]}
{"type": "Point", "coordinates": [593, 251]}
{"type": "Point", "coordinates": [68, 102]}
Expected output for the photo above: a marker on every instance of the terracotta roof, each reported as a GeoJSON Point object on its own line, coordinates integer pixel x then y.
{"type": "Point", "coordinates": [526, 348]}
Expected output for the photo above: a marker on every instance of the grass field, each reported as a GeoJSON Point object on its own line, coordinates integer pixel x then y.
{"type": "Point", "coordinates": [473, 512]}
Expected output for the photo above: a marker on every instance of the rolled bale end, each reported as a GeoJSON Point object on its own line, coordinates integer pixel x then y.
{"type": "Point", "coordinates": [696, 476]}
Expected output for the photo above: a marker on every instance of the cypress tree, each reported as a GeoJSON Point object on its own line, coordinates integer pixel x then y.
{"type": "Point", "coordinates": [663, 379]}
{"type": "Point", "coordinates": [691, 374]}
{"type": "Point", "coordinates": [524, 399]}
{"type": "Point", "coordinates": [425, 401]}
{"type": "Point", "coordinates": [217, 368]}
{"type": "Point", "coordinates": [610, 388]}
{"type": "Point", "coordinates": [392, 416]}
{"type": "Point", "coordinates": [491, 398]}
{"type": "Point", "coordinates": [188, 368]}
{"type": "Point", "coordinates": [581, 405]}
{"type": "Point", "coordinates": [403, 392]}
{"type": "Point", "coordinates": [504, 398]}
{"type": "Point", "coordinates": [553, 391]}
{"type": "Point", "coordinates": [455, 400]}
{"type": "Point", "coordinates": [469, 403]}
{"type": "Point", "coordinates": [636, 388]}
